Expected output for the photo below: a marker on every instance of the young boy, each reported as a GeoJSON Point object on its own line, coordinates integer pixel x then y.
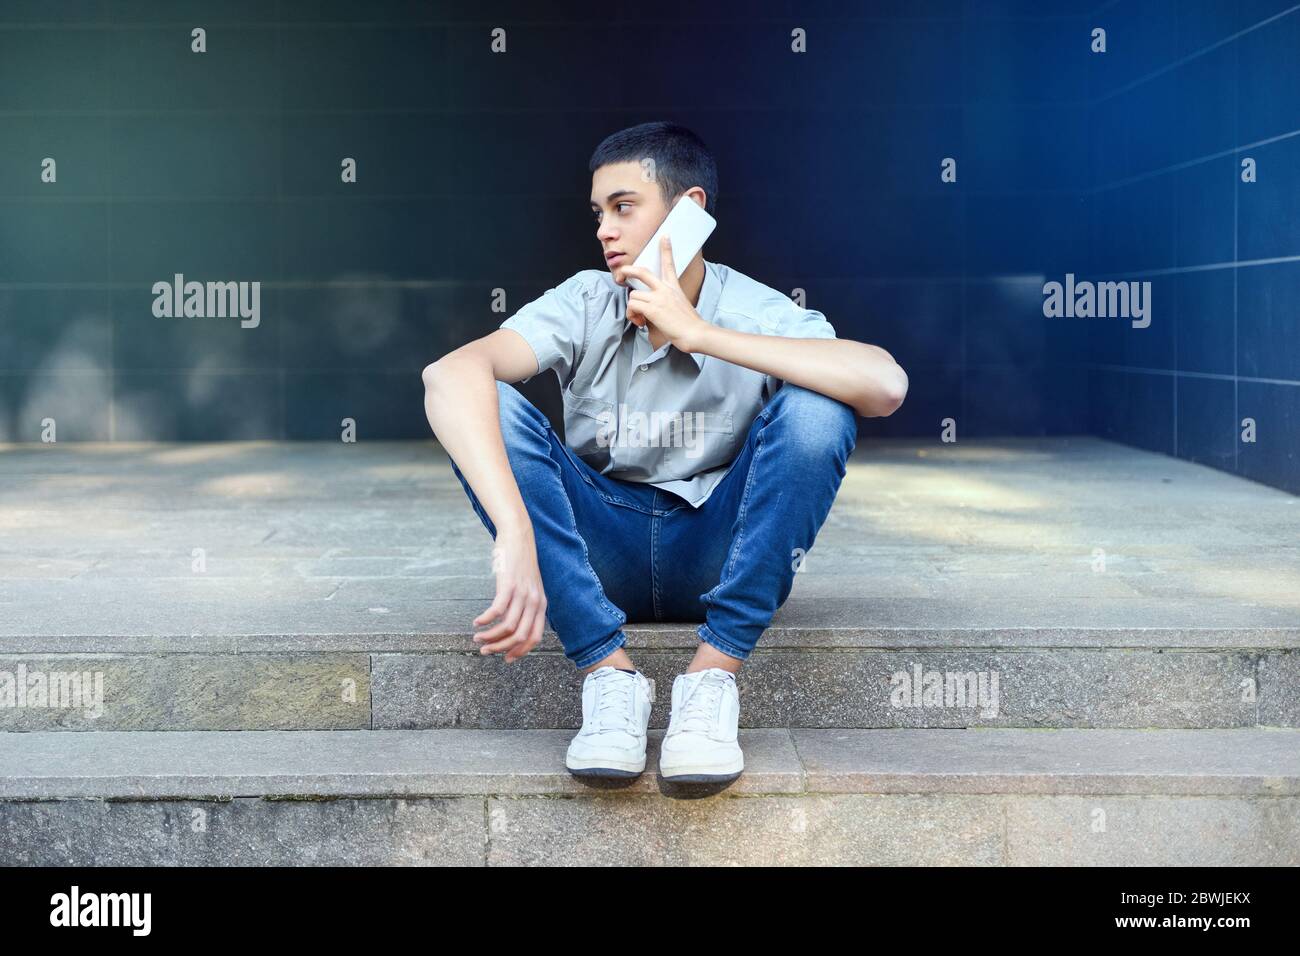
{"type": "Point", "coordinates": [708, 423]}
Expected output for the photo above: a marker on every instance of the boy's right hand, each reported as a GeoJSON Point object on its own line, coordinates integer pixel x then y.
{"type": "Point", "coordinates": [519, 608]}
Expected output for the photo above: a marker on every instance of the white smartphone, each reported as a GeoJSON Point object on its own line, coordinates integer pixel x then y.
{"type": "Point", "coordinates": [687, 225]}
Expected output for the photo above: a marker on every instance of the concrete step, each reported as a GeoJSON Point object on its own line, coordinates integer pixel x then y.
{"type": "Point", "coordinates": [320, 586]}
{"type": "Point", "coordinates": [489, 797]}
{"type": "Point", "coordinates": [1171, 678]}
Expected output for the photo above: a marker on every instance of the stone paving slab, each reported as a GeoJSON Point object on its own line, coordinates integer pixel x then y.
{"type": "Point", "coordinates": [268, 546]}
{"type": "Point", "coordinates": [940, 687]}
{"type": "Point", "coordinates": [1156, 688]}
{"type": "Point", "coordinates": [225, 764]}
{"type": "Point", "coordinates": [636, 830]}
{"type": "Point", "coordinates": [498, 798]}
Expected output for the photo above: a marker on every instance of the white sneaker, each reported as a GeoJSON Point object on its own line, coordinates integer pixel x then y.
{"type": "Point", "coordinates": [700, 745]}
{"type": "Point", "coordinates": [615, 715]}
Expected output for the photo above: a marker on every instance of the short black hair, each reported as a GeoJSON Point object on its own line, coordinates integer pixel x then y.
{"type": "Point", "coordinates": [681, 160]}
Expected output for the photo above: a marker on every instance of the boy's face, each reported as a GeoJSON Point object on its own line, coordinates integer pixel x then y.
{"type": "Point", "coordinates": [627, 209]}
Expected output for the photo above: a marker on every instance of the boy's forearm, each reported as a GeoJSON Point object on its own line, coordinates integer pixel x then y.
{"type": "Point", "coordinates": [460, 401]}
{"type": "Point", "coordinates": [863, 376]}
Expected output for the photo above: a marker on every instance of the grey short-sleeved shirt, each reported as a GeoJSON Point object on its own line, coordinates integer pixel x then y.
{"type": "Point", "coordinates": [669, 418]}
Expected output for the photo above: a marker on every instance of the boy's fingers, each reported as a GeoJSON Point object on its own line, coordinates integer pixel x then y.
{"type": "Point", "coordinates": [498, 607]}
{"type": "Point", "coordinates": [521, 634]}
{"type": "Point", "coordinates": [666, 257]}
{"type": "Point", "coordinates": [493, 613]}
{"type": "Point", "coordinates": [503, 625]}
{"type": "Point", "coordinates": [642, 273]}
{"type": "Point", "coordinates": [505, 632]}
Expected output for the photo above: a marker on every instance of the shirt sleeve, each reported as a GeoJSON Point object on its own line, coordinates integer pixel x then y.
{"type": "Point", "coordinates": [805, 324]}
{"type": "Point", "coordinates": [797, 323]}
{"type": "Point", "coordinates": [555, 325]}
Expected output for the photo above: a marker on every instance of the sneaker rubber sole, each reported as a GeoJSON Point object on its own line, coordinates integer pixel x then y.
{"type": "Point", "coordinates": [719, 772]}
{"type": "Point", "coordinates": [603, 767]}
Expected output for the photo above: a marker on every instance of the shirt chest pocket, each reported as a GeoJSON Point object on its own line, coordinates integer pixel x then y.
{"type": "Point", "coordinates": [590, 426]}
{"type": "Point", "coordinates": [693, 441]}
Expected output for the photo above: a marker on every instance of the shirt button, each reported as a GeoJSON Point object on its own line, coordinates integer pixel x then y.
{"type": "Point", "coordinates": [644, 367]}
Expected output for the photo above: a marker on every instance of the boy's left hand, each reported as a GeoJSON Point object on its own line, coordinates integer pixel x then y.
{"type": "Point", "coordinates": [664, 305]}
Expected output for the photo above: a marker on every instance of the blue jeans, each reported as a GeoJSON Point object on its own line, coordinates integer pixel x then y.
{"type": "Point", "coordinates": [611, 551]}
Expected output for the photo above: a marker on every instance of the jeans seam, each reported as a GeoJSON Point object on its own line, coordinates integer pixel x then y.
{"type": "Point", "coordinates": [573, 524]}
{"type": "Point", "coordinates": [740, 522]}
{"type": "Point", "coordinates": [654, 568]}
{"type": "Point", "coordinates": [744, 506]}
{"type": "Point", "coordinates": [579, 465]}
{"type": "Point", "coordinates": [586, 557]}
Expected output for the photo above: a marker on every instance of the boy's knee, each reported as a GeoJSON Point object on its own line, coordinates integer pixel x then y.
{"type": "Point", "coordinates": [816, 419]}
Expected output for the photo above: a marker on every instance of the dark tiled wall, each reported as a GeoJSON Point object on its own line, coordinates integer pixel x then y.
{"type": "Point", "coordinates": [1185, 92]}
{"type": "Point", "coordinates": [225, 166]}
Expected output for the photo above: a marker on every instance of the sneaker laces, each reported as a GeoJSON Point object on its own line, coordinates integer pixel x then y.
{"type": "Point", "coordinates": [614, 709]}
{"type": "Point", "coordinates": [703, 704]}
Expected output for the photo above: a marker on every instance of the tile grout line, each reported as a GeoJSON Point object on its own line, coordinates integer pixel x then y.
{"type": "Point", "coordinates": [1133, 84]}
{"type": "Point", "coordinates": [1187, 164]}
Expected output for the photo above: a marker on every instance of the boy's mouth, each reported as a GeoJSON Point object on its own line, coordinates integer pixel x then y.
{"type": "Point", "coordinates": [614, 258]}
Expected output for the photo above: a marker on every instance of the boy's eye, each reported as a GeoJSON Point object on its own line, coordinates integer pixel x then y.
{"type": "Point", "coordinates": [618, 205]}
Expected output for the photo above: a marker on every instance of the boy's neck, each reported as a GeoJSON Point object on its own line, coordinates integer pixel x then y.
{"type": "Point", "coordinates": [692, 280]}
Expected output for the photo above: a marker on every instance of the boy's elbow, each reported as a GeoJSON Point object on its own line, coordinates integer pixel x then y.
{"type": "Point", "coordinates": [891, 392]}
{"type": "Point", "coordinates": [899, 391]}
{"type": "Point", "coordinates": [469, 359]}
{"type": "Point", "coordinates": [429, 376]}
